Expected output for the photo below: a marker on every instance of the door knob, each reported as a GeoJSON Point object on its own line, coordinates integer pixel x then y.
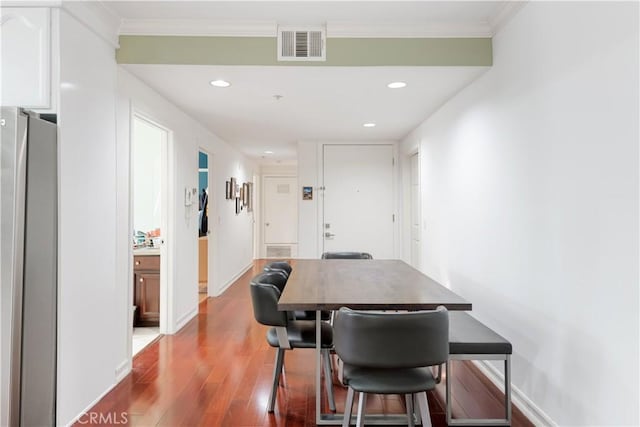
{"type": "Point", "coordinates": [328, 235]}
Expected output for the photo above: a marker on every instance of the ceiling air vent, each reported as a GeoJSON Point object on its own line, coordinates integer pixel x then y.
{"type": "Point", "coordinates": [301, 45]}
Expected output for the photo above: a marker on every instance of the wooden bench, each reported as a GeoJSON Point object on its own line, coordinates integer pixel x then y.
{"type": "Point", "coordinates": [469, 339]}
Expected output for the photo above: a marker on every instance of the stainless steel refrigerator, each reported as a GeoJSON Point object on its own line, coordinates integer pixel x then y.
{"type": "Point", "coordinates": [28, 268]}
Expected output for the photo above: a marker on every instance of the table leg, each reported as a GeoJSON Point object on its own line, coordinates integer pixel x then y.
{"type": "Point", "coordinates": [318, 368]}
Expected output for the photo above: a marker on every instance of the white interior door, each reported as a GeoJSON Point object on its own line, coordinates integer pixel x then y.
{"type": "Point", "coordinates": [415, 210]}
{"type": "Point", "coordinates": [358, 199]}
{"type": "Point", "coordinates": [280, 210]}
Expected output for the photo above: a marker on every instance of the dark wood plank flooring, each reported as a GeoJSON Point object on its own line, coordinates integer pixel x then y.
{"type": "Point", "coordinates": [217, 372]}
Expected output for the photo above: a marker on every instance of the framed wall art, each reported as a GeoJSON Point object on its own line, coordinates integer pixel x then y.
{"type": "Point", "coordinates": [307, 193]}
{"type": "Point", "coordinates": [227, 191]}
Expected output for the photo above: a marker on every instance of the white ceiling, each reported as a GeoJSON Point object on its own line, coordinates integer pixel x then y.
{"type": "Point", "coordinates": [424, 13]}
{"type": "Point", "coordinates": [318, 103]}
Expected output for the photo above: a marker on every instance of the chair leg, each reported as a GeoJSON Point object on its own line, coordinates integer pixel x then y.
{"type": "Point", "coordinates": [362, 402]}
{"type": "Point", "coordinates": [328, 380]}
{"type": "Point", "coordinates": [408, 398]}
{"type": "Point", "coordinates": [424, 409]}
{"type": "Point", "coordinates": [448, 369]}
{"type": "Point", "coordinates": [416, 412]}
{"type": "Point", "coordinates": [347, 407]}
{"type": "Point", "coordinates": [277, 370]}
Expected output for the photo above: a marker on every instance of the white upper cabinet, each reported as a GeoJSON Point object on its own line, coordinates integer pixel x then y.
{"type": "Point", "coordinates": [25, 70]}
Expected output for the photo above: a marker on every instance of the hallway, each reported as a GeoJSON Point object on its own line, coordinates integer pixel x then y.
{"type": "Point", "coordinates": [217, 371]}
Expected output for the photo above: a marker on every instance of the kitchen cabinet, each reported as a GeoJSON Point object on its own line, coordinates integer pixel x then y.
{"type": "Point", "coordinates": [25, 35]}
{"type": "Point", "coordinates": [146, 290]}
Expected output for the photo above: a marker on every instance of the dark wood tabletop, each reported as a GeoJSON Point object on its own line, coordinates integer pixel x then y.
{"type": "Point", "coordinates": [365, 285]}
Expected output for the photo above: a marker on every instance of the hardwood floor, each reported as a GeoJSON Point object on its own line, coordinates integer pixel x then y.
{"type": "Point", "coordinates": [217, 372]}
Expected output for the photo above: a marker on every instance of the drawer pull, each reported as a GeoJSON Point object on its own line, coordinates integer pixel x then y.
{"type": "Point", "coordinates": [137, 262]}
{"type": "Point", "coordinates": [141, 280]}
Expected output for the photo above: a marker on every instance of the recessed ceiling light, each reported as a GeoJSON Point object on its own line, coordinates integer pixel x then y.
{"type": "Point", "coordinates": [268, 152]}
{"type": "Point", "coordinates": [220, 83]}
{"type": "Point", "coordinates": [369, 125]}
{"type": "Point", "coordinates": [396, 85]}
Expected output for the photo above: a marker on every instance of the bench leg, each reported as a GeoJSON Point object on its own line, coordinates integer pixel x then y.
{"type": "Point", "coordinates": [507, 386]}
{"type": "Point", "coordinates": [507, 392]}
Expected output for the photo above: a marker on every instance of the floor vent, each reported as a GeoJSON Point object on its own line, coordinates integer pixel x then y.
{"type": "Point", "coordinates": [278, 251]}
{"type": "Point", "coordinates": [301, 45]}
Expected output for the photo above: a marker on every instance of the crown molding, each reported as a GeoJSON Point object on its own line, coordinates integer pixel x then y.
{"type": "Point", "coordinates": [94, 15]}
{"type": "Point", "coordinates": [507, 11]}
{"type": "Point", "coordinates": [204, 27]}
{"type": "Point", "coordinates": [441, 30]}
{"type": "Point", "coordinates": [97, 17]}
{"type": "Point", "coordinates": [197, 27]}
{"type": "Point", "coordinates": [31, 3]}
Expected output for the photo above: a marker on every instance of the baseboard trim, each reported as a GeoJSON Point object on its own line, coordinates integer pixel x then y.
{"type": "Point", "coordinates": [233, 279]}
{"type": "Point", "coordinates": [123, 369]}
{"type": "Point", "coordinates": [185, 318]}
{"type": "Point", "coordinates": [91, 405]}
{"type": "Point", "coordinates": [529, 409]}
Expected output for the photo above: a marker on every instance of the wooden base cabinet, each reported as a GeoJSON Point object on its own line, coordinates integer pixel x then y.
{"type": "Point", "coordinates": [146, 276]}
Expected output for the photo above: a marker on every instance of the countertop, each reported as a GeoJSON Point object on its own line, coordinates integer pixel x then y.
{"type": "Point", "coordinates": [146, 251]}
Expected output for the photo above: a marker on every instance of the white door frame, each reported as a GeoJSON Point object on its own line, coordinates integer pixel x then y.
{"type": "Point", "coordinates": [167, 249]}
{"type": "Point", "coordinates": [257, 215]}
{"type": "Point", "coordinates": [397, 241]}
{"type": "Point", "coordinates": [409, 190]}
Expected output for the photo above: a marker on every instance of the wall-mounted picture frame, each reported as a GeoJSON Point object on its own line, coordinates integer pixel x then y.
{"type": "Point", "coordinates": [241, 195]}
{"type": "Point", "coordinates": [249, 196]}
{"type": "Point", "coordinates": [245, 194]}
{"type": "Point", "coordinates": [238, 205]}
{"type": "Point", "coordinates": [234, 188]}
{"type": "Point", "coordinates": [227, 191]}
{"type": "Point", "coordinates": [307, 193]}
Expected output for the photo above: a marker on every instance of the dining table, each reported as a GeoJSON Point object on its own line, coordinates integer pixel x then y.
{"type": "Point", "coordinates": [329, 284]}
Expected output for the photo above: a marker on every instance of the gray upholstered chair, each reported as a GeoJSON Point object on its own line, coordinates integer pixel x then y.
{"type": "Point", "coordinates": [279, 266]}
{"type": "Point", "coordinates": [278, 277]}
{"type": "Point", "coordinates": [346, 255]}
{"type": "Point", "coordinates": [391, 353]}
{"type": "Point", "coordinates": [286, 334]}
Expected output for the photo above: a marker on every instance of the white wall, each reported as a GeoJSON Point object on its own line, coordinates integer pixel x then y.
{"type": "Point", "coordinates": [88, 342]}
{"type": "Point", "coordinates": [309, 218]}
{"type": "Point", "coordinates": [231, 234]}
{"type": "Point", "coordinates": [530, 205]}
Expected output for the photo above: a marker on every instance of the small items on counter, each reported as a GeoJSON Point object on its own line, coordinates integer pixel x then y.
{"type": "Point", "coordinates": [149, 239]}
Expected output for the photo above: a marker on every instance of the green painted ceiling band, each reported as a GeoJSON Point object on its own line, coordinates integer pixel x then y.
{"type": "Point", "coordinates": [340, 51]}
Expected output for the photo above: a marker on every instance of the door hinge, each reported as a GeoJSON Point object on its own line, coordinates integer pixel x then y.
{"type": "Point", "coordinates": [393, 217]}
{"type": "Point", "coordinates": [393, 161]}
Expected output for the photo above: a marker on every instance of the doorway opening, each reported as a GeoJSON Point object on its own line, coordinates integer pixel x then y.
{"type": "Point", "coordinates": [203, 225]}
{"type": "Point", "coordinates": [149, 147]}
